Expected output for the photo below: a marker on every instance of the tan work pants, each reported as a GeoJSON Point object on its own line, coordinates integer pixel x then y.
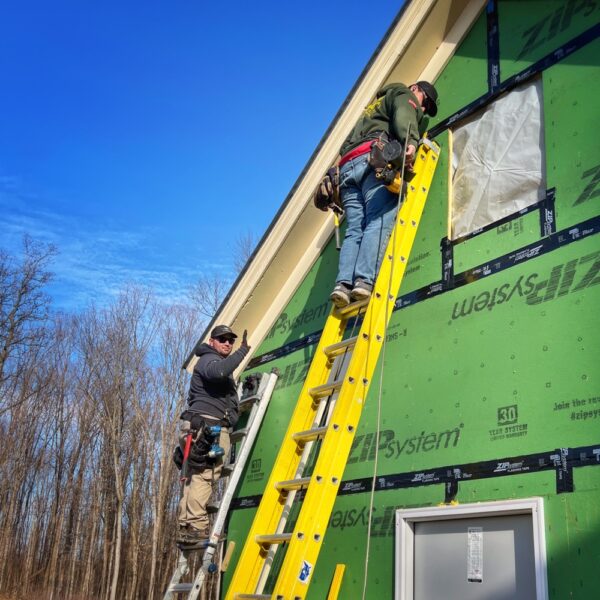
{"type": "Point", "coordinates": [196, 493]}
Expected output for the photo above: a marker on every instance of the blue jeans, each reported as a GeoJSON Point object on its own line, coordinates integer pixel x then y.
{"type": "Point", "coordinates": [370, 210]}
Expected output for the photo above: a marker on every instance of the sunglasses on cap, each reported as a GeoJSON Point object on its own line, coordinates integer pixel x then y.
{"type": "Point", "coordinates": [224, 339]}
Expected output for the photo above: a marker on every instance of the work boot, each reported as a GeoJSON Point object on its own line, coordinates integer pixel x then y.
{"type": "Point", "coordinates": [340, 295]}
{"type": "Point", "coordinates": [190, 536]}
{"type": "Point", "coordinates": [361, 290]}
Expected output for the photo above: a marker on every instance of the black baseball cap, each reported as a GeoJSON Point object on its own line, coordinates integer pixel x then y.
{"type": "Point", "coordinates": [431, 100]}
{"type": "Point", "coordinates": [222, 330]}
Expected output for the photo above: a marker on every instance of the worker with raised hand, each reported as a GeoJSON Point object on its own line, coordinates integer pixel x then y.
{"type": "Point", "coordinates": [397, 114]}
{"type": "Point", "coordinates": [212, 401]}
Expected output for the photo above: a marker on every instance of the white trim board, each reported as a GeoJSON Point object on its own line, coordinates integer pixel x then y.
{"type": "Point", "coordinates": [404, 547]}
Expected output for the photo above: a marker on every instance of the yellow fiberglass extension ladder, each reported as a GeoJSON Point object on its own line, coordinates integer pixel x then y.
{"type": "Point", "coordinates": [321, 431]}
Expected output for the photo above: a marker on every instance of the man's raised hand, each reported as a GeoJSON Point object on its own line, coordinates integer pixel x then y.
{"type": "Point", "coordinates": [244, 343]}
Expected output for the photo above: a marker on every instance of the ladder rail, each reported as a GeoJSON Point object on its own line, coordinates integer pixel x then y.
{"type": "Point", "coordinates": [289, 501]}
{"type": "Point", "coordinates": [257, 413]}
{"type": "Point", "coordinates": [244, 452]}
{"type": "Point", "coordinates": [286, 463]}
{"type": "Point", "coordinates": [308, 533]}
{"type": "Point", "coordinates": [313, 519]}
{"type": "Point", "coordinates": [258, 410]}
{"type": "Point", "coordinates": [181, 570]}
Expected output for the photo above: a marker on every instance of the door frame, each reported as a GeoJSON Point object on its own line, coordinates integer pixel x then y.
{"type": "Point", "coordinates": [405, 534]}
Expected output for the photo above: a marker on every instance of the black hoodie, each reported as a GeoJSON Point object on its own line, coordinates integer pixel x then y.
{"type": "Point", "coordinates": [212, 389]}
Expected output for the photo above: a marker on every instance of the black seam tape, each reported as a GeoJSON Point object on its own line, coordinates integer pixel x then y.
{"type": "Point", "coordinates": [311, 338]}
{"type": "Point", "coordinates": [533, 250]}
{"type": "Point", "coordinates": [539, 205]}
{"type": "Point", "coordinates": [548, 214]}
{"type": "Point", "coordinates": [561, 460]}
{"type": "Point", "coordinates": [447, 263]}
{"type": "Point", "coordinates": [451, 491]}
{"type": "Point", "coordinates": [544, 63]}
{"type": "Point", "coordinates": [564, 472]}
{"type": "Point", "coordinates": [493, 46]}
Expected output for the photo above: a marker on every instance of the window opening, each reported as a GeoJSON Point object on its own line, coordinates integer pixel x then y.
{"type": "Point", "coordinates": [498, 160]}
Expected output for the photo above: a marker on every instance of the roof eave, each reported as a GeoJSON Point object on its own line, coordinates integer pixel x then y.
{"type": "Point", "coordinates": [416, 46]}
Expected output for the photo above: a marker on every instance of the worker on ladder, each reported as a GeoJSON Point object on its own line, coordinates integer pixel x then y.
{"type": "Point", "coordinates": [388, 128]}
{"type": "Point", "coordinates": [212, 412]}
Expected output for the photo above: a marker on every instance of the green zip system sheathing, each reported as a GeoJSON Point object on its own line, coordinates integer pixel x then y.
{"type": "Point", "coordinates": [499, 367]}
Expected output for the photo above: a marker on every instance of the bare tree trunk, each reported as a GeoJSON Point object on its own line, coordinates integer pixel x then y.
{"type": "Point", "coordinates": [87, 582]}
{"type": "Point", "coordinates": [77, 547]}
{"type": "Point", "coordinates": [117, 548]}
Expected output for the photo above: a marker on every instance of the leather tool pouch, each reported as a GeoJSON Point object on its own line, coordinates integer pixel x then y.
{"type": "Point", "coordinates": [376, 158]}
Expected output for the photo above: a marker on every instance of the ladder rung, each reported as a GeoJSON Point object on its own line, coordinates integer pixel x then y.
{"type": "Point", "coordinates": [353, 308]}
{"type": "Point", "coordinates": [310, 434]}
{"type": "Point", "coordinates": [293, 484]}
{"type": "Point", "coordinates": [227, 469]}
{"type": "Point", "coordinates": [326, 389]}
{"type": "Point", "coordinates": [238, 434]}
{"type": "Point", "coordinates": [340, 347]}
{"type": "Point", "coordinates": [246, 403]}
{"type": "Point", "coordinates": [252, 597]}
{"type": "Point", "coordinates": [212, 507]}
{"type": "Point", "coordinates": [273, 538]}
{"type": "Point", "coordinates": [179, 588]}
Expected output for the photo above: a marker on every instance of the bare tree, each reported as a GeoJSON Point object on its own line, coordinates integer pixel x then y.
{"type": "Point", "coordinates": [116, 343]}
{"type": "Point", "coordinates": [208, 293]}
{"type": "Point", "coordinates": [178, 333]}
{"type": "Point", "coordinates": [88, 491]}
{"type": "Point", "coordinates": [23, 311]}
{"type": "Point", "coordinates": [243, 249]}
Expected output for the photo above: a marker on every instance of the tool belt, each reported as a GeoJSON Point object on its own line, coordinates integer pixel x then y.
{"type": "Point", "coordinates": [202, 450]}
{"type": "Point", "coordinates": [194, 416]}
{"type": "Point", "coordinates": [327, 194]}
{"type": "Point", "coordinates": [374, 142]}
{"type": "Point", "coordinates": [385, 153]}
{"type": "Point", "coordinates": [385, 159]}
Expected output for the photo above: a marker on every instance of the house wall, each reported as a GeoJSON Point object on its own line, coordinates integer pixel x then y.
{"type": "Point", "coordinates": [491, 386]}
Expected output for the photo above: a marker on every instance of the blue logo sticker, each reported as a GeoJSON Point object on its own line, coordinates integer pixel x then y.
{"type": "Point", "coordinates": [305, 572]}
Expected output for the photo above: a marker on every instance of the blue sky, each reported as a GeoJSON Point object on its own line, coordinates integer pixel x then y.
{"type": "Point", "coordinates": [143, 138]}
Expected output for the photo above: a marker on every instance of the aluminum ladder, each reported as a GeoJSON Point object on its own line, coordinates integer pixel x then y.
{"type": "Point", "coordinates": [256, 402]}
{"type": "Point", "coordinates": [318, 421]}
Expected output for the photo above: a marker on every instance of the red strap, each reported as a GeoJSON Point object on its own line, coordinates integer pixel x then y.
{"type": "Point", "coordinates": [358, 151]}
{"type": "Point", "coordinates": [186, 454]}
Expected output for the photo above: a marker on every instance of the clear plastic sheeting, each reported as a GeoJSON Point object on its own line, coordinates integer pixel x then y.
{"type": "Point", "coordinates": [498, 162]}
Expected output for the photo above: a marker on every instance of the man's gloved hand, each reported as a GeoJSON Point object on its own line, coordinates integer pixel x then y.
{"type": "Point", "coordinates": [327, 193]}
{"type": "Point", "coordinates": [244, 343]}
{"type": "Point", "coordinates": [410, 155]}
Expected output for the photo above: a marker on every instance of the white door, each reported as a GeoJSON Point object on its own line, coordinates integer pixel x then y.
{"type": "Point", "coordinates": [481, 551]}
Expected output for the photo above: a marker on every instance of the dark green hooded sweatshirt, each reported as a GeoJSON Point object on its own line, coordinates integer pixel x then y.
{"type": "Point", "coordinates": [393, 109]}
